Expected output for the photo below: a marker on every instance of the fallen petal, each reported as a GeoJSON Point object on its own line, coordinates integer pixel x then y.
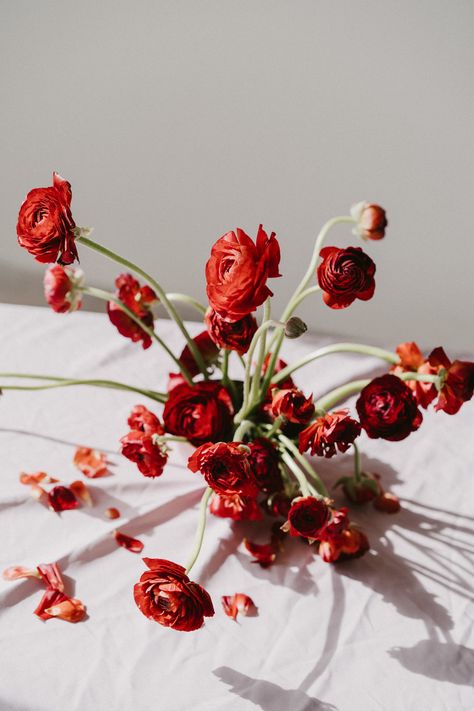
{"type": "Point", "coordinates": [112, 513]}
{"type": "Point", "coordinates": [90, 462]}
{"type": "Point", "coordinates": [61, 498]}
{"type": "Point", "coordinates": [50, 598]}
{"type": "Point", "coordinates": [37, 478]}
{"type": "Point", "coordinates": [237, 604]}
{"type": "Point", "coordinates": [15, 572]}
{"type": "Point", "coordinates": [131, 544]}
{"type": "Point", "coordinates": [264, 553]}
{"type": "Point", "coordinates": [51, 575]}
{"type": "Point", "coordinates": [38, 493]}
{"type": "Point", "coordinates": [388, 503]}
{"type": "Point", "coordinates": [70, 609]}
{"type": "Point", "coordinates": [81, 491]}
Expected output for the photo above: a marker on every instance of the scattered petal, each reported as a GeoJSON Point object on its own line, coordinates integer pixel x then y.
{"type": "Point", "coordinates": [90, 462]}
{"type": "Point", "coordinates": [70, 609]}
{"type": "Point", "coordinates": [15, 572]}
{"type": "Point", "coordinates": [38, 493]}
{"type": "Point", "coordinates": [388, 503]}
{"type": "Point", "coordinates": [131, 544]}
{"type": "Point", "coordinates": [112, 513]}
{"type": "Point", "coordinates": [81, 491]}
{"type": "Point", "coordinates": [237, 604]}
{"type": "Point", "coordinates": [50, 598]}
{"type": "Point", "coordinates": [37, 478]}
{"type": "Point", "coordinates": [51, 575]}
{"type": "Point", "coordinates": [264, 553]}
{"type": "Point", "coordinates": [61, 498]}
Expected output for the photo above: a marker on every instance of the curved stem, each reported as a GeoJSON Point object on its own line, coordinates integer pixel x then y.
{"type": "Point", "coordinates": [242, 429]}
{"type": "Point", "coordinates": [305, 487]}
{"type": "Point", "coordinates": [307, 292]}
{"type": "Point", "coordinates": [261, 355]}
{"type": "Point", "coordinates": [275, 427]}
{"type": "Point", "coordinates": [200, 530]}
{"type": "Point", "coordinates": [64, 382]}
{"type": "Point", "coordinates": [336, 348]}
{"type": "Point", "coordinates": [305, 464]}
{"type": "Point", "coordinates": [185, 299]}
{"type": "Point", "coordinates": [106, 296]}
{"type": "Point", "coordinates": [159, 292]}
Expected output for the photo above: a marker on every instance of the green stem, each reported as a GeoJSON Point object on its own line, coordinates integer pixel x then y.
{"type": "Point", "coordinates": [169, 438]}
{"type": "Point", "coordinates": [159, 292]}
{"type": "Point", "coordinates": [64, 382]}
{"type": "Point", "coordinates": [185, 299]}
{"type": "Point", "coordinates": [421, 377]}
{"type": "Point", "coordinates": [305, 464]}
{"type": "Point", "coordinates": [305, 487]}
{"type": "Point", "coordinates": [336, 348]}
{"type": "Point", "coordinates": [242, 429]}
{"type": "Point", "coordinates": [357, 464]}
{"type": "Point", "coordinates": [106, 296]}
{"type": "Point", "coordinates": [200, 530]}
{"type": "Point", "coordinates": [261, 354]}
{"type": "Point", "coordinates": [275, 427]}
{"type": "Point", "coordinates": [307, 292]}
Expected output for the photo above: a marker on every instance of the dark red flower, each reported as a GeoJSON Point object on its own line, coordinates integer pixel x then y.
{"type": "Point", "coordinates": [412, 360]}
{"type": "Point", "coordinates": [237, 604]}
{"type": "Point", "coordinates": [139, 300]}
{"type": "Point", "coordinates": [167, 596]}
{"type": "Point", "coordinates": [206, 347]}
{"type": "Point", "coordinates": [233, 335]}
{"type": "Point", "coordinates": [237, 272]}
{"type": "Point", "coordinates": [292, 405]}
{"type": "Point", "coordinates": [336, 429]}
{"type": "Point", "coordinates": [345, 275]}
{"type": "Point", "coordinates": [307, 517]}
{"type": "Point", "coordinates": [45, 226]}
{"type": "Point", "coordinates": [142, 419]}
{"type": "Point", "coordinates": [236, 507]}
{"type": "Point", "coordinates": [264, 463]}
{"type": "Point", "coordinates": [62, 288]}
{"type": "Point", "coordinates": [457, 381]}
{"type": "Point", "coordinates": [225, 467]}
{"type": "Point", "coordinates": [371, 220]}
{"type": "Point", "coordinates": [61, 498]}
{"type": "Point", "coordinates": [340, 539]}
{"type": "Point", "coordinates": [141, 448]}
{"type": "Point", "coordinates": [388, 409]}
{"type": "Point", "coordinates": [202, 412]}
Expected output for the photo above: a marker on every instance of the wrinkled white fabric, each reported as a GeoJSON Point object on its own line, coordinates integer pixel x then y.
{"type": "Point", "coordinates": [392, 630]}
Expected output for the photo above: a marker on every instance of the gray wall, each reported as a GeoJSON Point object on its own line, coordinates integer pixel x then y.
{"type": "Point", "coordinates": [176, 121]}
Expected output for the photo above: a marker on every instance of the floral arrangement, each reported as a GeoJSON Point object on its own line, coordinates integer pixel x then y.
{"type": "Point", "coordinates": [250, 435]}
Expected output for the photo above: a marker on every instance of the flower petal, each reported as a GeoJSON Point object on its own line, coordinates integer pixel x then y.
{"type": "Point", "coordinates": [112, 513]}
{"type": "Point", "coordinates": [61, 498]}
{"type": "Point", "coordinates": [238, 604]}
{"type": "Point", "coordinates": [264, 553]}
{"type": "Point", "coordinates": [51, 575]}
{"type": "Point", "coordinates": [37, 478]}
{"type": "Point", "coordinates": [90, 462]}
{"type": "Point", "coordinates": [81, 492]}
{"type": "Point", "coordinates": [71, 609]}
{"type": "Point", "coordinates": [50, 598]}
{"type": "Point", "coordinates": [15, 572]}
{"type": "Point", "coordinates": [131, 544]}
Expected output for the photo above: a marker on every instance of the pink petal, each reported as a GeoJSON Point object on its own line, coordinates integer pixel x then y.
{"type": "Point", "coordinates": [51, 575]}
{"type": "Point", "coordinates": [81, 491]}
{"type": "Point", "coordinates": [237, 604]}
{"type": "Point", "coordinates": [112, 513]}
{"type": "Point", "coordinates": [51, 597]}
{"type": "Point", "coordinates": [90, 462]}
{"type": "Point", "coordinates": [15, 572]}
{"type": "Point", "coordinates": [70, 609]}
{"type": "Point", "coordinates": [131, 544]}
{"type": "Point", "coordinates": [37, 478]}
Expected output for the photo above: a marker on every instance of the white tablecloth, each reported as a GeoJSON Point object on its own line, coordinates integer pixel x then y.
{"type": "Point", "coordinates": [392, 630]}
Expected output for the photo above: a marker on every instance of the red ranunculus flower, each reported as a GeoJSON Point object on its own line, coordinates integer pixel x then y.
{"type": "Point", "coordinates": [142, 419]}
{"type": "Point", "coordinates": [45, 226]}
{"type": "Point", "coordinates": [62, 288]}
{"type": "Point", "coordinates": [293, 405]}
{"type": "Point", "coordinates": [166, 595]}
{"type": "Point", "coordinates": [412, 360]}
{"type": "Point", "coordinates": [202, 412]}
{"type": "Point", "coordinates": [236, 507]}
{"type": "Point", "coordinates": [264, 462]}
{"type": "Point", "coordinates": [457, 381]}
{"type": "Point", "coordinates": [388, 409]}
{"type": "Point", "coordinates": [371, 220]}
{"type": "Point", "coordinates": [345, 275]}
{"type": "Point", "coordinates": [336, 429]}
{"type": "Point", "coordinates": [139, 447]}
{"type": "Point", "coordinates": [237, 272]}
{"type": "Point", "coordinates": [233, 335]}
{"type": "Point", "coordinates": [206, 347]}
{"type": "Point", "coordinates": [340, 539]}
{"type": "Point", "coordinates": [307, 517]}
{"type": "Point", "coordinates": [225, 467]}
{"type": "Point", "coordinates": [138, 299]}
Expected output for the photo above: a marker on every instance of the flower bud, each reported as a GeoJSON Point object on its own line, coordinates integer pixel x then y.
{"type": "Point", "coordinates": [295, 327]}
{"type": "Point", "coordinates": [371, 220]}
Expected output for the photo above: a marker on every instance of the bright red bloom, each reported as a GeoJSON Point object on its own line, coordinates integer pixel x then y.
{"type": "Point", "coordinates": [293, 405]}
{"type": "Point", "coordinates": [149, 456]}
{"type": "Point", "coordinates": [45, 226]}
{"type": "Point", "coordinates": [225, 467]}
{"type": "Point", "coordinates": [139, 300]}
{"type": "Point", "coordinates": [307, 517]}
{"type": "Point", "coordinates": [167, 596]}
{"type": "Point", "coordinates": [142, 419]}
{"type": "Point", "coordinates": [61, 498]}
{"type": "Point", "coordinates": [457, 381]}
{"type": "Point", "coordinates": [206, 347]}
{"type": "Point", "coordinates": [388, 409]}
{"type": "Point", "coordinates": [412, 360]}
{"type": "Point", "coordinates": [202, 412]}
{"type": "Point", "coordinates": [233, 335]}
{"type": "Point", "coordinates": [345, 275]}
{"type": "Point", "coordinates": [90, 462]}
{"type": "Point", "coordinates": [237, 604]}
{"type": "Point", "coordinates": [371, 220]}
{"type": "Point", "coordinates": [264, 463]}
{"type": "Point", "coordinates": [236, 507]}
{"type": "Point", "coordinates": [130, 544]}
{"type": "Point", "coordinates": [62, 288]}
{"type": "Point", "coordinates": [336, 429]}
{"type": "Point", "coordinates": [237, 272]}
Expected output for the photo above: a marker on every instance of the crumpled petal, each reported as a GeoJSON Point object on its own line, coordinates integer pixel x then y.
{"type": "Point", "coordinates": [29, 479]}
{"type": "Point", "coordinates": [51, 575]}
{"type": "Point", "coordinates": [16, 572]}
{"type": "Point", "coordinates": [237, 604]}
{"type": "Point", "coordinates": [70, 609]}
{"type": "Point", "coordinates": [90, 462]}
{"type": "Point", "coordinates": [51, 597]}
{"type": "Point", "coordinates": [264, 553]}
{"type": "Point", "coordinates": [131, 544]}
{"type": "Point", "coordinates": [61, 498]}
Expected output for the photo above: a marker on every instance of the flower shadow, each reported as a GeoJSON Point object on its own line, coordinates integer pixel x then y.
{"type": "Point", "coordinates": [443, 661]}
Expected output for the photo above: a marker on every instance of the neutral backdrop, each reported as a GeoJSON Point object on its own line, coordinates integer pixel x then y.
{"type": "Point", "coordinates": [178, 120]}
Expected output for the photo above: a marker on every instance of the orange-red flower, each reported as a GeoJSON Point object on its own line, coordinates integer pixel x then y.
{"type": "Point", "coordinates": [340, 539]}
{"type": "Point", "coordinates": [345, 275]}
{"type": "Point", "coordinates": [236, 507]}
{"type": "Point", "coordinates": [165, 595]}
{"type": "Point", "coordinates": [293, 405]}
{"type": "Point", "coordinates": [45, 225]}
{"type": "Point", "coordinates": [142, 419]}
{"type": "Point", "coordinates": [331, 431]}
{"type": "Point", "coordinates": [412, 360]}
{"type": "Point", "coordinates": [149, 455]}
{"type": "Point", "coordinates": [225, 467]}
{"type": "Point", "coordinates": [388, 409]}
{"type": "Point", "coordinates": [237, 272]}
{"type": "Point", "coordinates": [457, 381]}
{"type": "Point", "coordinates": [62, 288]}
{"type": "Point", "coordinates": [233, 335]}
{"type": "Point", "coordinates": [264, 553]}
{"type": "Point", "coordinates": [139, 300]}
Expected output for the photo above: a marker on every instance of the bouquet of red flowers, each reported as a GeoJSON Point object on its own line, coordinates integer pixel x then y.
{"type": "Point", "coordinates": [249, 435]}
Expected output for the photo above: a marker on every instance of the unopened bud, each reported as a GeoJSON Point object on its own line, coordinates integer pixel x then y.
{"type": "Point", "coordinates": [371, 220]}
{"type": "Point", "coordinates": [295, 327]}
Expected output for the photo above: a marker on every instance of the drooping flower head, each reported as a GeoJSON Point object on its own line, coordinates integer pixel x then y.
{"type": "Point", "coordinates": [148, 454]}
{"type": "Point", "coordinates": [62, 288]}
{"type": "Point", "coordinates": [139, 300]}
{"type": "Point", "coordinates": [457, 381]}
{"type": "Point", "coordinates": [264, 463]}
{"type": "Point", "coordinates": [345, 275]}
{"type": "Point", "coordinates": [233, 335]}
{"type": "Point", "coordinates": [208, 350]}
{"type": "Point", "coordinates": [293, 405]}
{"type": "Point", "coordinates": [412, 360]}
